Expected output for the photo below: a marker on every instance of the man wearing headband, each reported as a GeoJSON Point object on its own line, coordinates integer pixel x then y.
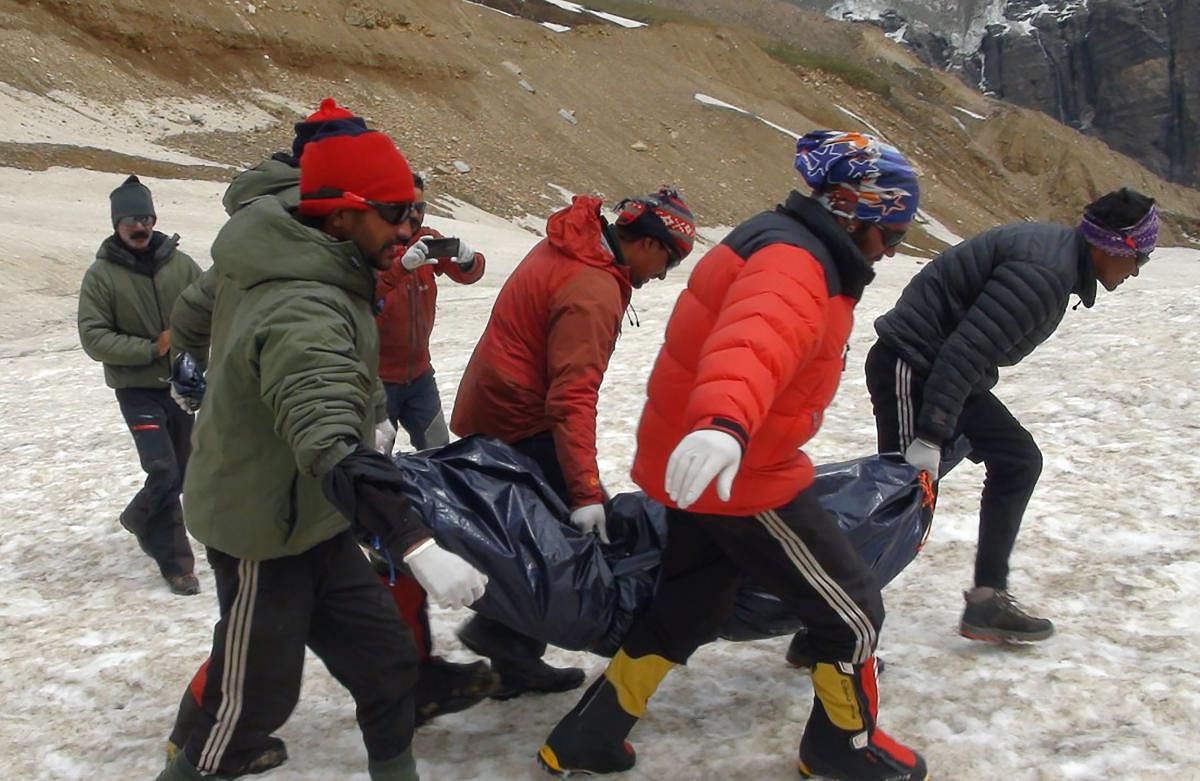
{"type": "Point", "coordinates": [983, 304]}
{"type": "Point", "coordinates": [752, 357]}
{"type": "Point", "coordinates": [534, 378]}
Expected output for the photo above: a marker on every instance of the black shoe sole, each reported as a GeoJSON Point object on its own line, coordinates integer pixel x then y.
{"type": "Point", "coordinates": [806, 773]}
{"type": "Point", "coordinates": [550, 765]}
{"type": "Point", "coordinates": [992, 635]}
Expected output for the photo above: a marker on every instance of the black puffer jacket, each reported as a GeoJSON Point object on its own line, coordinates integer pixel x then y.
{"type": "Point", "coordinates": [985, 303]}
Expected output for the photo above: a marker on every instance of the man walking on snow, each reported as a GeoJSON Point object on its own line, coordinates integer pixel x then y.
{"type": "Point", "coordinates": [534, 378]}
{"type": "Point", "coordinates": [283, 485]}
{"type": "Point", "coordinates": [406, 300]}
{"type": "Point", "coordinates": [442, 686]}
{"type": "Point", "coordinates": [753, 355]}
{"type": "Point", "coordinates": [124, 302]}
{"type": "Point", "coordinates": [983, 304]}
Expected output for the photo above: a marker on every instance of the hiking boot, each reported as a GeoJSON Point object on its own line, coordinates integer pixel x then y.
{"type": "Point", "coordinates": [536, 676]}
{"type": "Point", "coordinates": [446, 687]}
{"type": "Point", "coordinates": [272, 754]}
{"type": "Point", "coordinates": [841, 740]}
{"type": "Point", "coordinates": [992, 615]}
{"type": "Point", "coordinates": [800, 654]}
{"type": "Point", "coordinates": [185, 585]}
{"type": "Point", "coordinates": [516, 658]}
{"type": "Point", "coordinates": [590, 740]}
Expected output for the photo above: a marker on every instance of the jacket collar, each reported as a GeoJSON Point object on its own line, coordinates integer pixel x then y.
{"type": "Point", "coordinates": [852, 268]}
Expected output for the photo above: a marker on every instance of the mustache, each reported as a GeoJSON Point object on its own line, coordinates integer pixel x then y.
{"type": "Point", "coordinates": [138, 235]}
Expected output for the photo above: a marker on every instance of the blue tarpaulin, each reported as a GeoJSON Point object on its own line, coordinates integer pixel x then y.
{"type": "Point", "coordinates": [490, 504]}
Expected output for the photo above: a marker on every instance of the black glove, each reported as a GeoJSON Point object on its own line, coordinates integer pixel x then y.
{"type": "Point", "coordinates": [366, 487]}
{"type": "Point", "coordinates": [187, 383]}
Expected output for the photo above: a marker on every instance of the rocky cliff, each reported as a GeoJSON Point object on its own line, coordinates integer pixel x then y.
{"type": "Point", "coordinates": [1126, 71]}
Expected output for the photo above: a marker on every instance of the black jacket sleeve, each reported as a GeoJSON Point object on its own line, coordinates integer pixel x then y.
{"type": "Point", "coordinates": [1016, 301]}
{"type": "Point", "coordinates": [365, 486]}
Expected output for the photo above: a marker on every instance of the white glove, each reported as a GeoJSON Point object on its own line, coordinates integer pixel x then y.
{"type": "Point", "coordinates": [448, 578]}
{"type": "Point", "coordinates": [925, 456]}
{"type": "Point", "coordinates": [385, 437]}
{"type": "Point", "coordinates": [187, 405]}
{"type": "Point", "coordinates": [416, 256]}
{"type": "Point", "coordinates": [589, 519]}
{"type": "Point", "coordinates": [696, 460]}
{"type": "Point", "coordinates": [466, 255]}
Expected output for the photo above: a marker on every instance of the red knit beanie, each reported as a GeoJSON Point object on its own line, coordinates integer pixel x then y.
{"type": "Point", "coordinates": [366, 164]}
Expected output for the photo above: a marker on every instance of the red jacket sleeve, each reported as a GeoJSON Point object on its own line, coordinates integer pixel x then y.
{"type": "Point", "coordinates": [467, 277]}
{"type": "Point", "coordinates": [585, 319]}
{"type": "Point", "coordinates": [770, 323]}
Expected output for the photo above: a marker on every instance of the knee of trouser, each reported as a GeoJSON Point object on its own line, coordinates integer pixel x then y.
{"type": "Point", "coordinates": [164, 474]}
{"type": "Point", "coordinates": [1023, 464]}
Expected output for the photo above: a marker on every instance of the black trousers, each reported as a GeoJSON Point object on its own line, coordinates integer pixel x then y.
{"type": "Point", "coordinates": [329, 599]}
{"type": "Point", "coordinates": [162, 434]}
{"type": "Point", "coordinates": [521, 649]}
{"type": "Point", "coordinates": [1010, 457]}
{"type": "Point", "coordinates": [796, 551]}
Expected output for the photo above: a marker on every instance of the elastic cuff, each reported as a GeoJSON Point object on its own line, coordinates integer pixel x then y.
{"type": "Point", "coordinates": [331, 457]}
{"type": "Point", "coordinates": [726, 426]}
{"type": "Point", "coordinates": [428, 542]}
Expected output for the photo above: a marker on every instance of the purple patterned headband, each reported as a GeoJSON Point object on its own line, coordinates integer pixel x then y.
{"type": "Point", "coordinates": [1129, 242]}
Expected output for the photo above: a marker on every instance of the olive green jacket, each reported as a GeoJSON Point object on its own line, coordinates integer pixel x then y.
{"type": "Point", "coordinates": [291, 384]}
{"type": "Point", "coordinates": [124, 302]}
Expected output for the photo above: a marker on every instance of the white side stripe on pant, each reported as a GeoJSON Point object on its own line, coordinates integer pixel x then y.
{"type": "Point", "coordinates": [233, 677]}
{"type": "Point", "coordinates": [833, 594]}
{"type": "Point", "coordinates": [904, 404]}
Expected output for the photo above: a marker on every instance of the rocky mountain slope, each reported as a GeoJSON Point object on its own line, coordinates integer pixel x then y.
{"type": "Point", "coordinates": [506, 113]}
{"type": "Point", "coordinates": [1126, 71]}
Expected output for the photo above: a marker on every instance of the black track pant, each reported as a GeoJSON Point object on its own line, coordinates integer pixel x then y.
{"type": "Point", "coordinates": [329, 599]}
{"type": "Point", "coordinates": [1011, 458]}
{"type": "Point", "coordinates": [162, 433]}
{"type": "Point", "coordinates": [797, 551]}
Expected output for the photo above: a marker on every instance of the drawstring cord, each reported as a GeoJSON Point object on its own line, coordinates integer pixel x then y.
{"type": "Point", "coordinates": [377, 546]}
{"type": "Point", "coordinates": [634, 320]}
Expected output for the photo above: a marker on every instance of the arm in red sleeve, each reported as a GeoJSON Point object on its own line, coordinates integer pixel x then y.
{"type": "Point", "coordinates": [459, 275]}
{"type": "Point", "coordinates": [585, 319]}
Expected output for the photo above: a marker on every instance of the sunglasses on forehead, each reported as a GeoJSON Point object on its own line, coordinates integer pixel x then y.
{"type": "Point", "coordinates": [391, 213]}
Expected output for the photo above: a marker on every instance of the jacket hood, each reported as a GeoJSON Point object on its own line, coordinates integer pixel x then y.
{"type": "Point", "coordinates": [577, 232]}
{"type": "Point", "coordinates": [270, 177]}
{"type": "Point", "coordinates": [114, 250]}
{"type": "Point", "coordinates": [263, 242]}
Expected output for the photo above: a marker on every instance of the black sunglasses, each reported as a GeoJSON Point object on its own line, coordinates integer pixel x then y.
{"type": "Point", "coordinates": [892, 238]}
{"type": "Point", "coordinates": [391, 213]}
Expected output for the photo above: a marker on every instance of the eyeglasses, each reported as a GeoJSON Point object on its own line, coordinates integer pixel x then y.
{"type": "Point", "coordinates": [892, 237]}
{"type": "Point", "coordinates": [417, 215]}
{"type": "Point", "coordinates": [391, 212]}
{"type": "Point", "coordinates": [137, 219]}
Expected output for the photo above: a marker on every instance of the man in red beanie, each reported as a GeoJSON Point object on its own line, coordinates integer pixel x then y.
{"type": "Point", "coordinates": [534, 378]}
{"type": "Point", "coordinates": [282, 488]}
{"type": "Point", "coordinates": [442, 686]}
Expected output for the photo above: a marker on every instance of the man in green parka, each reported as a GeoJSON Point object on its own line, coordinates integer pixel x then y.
{"type": "Point", "coordinates": [282, 486]}
{"type": "Point", "coordinates": [124, 302]}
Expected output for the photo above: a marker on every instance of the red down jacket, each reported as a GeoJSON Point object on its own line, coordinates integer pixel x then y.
{"type": "Point", "coordinates": [406, 303]}
{"type": "Point", "coordinates": [541, 358]}
{"type": "Point", "coordinates": [755, 348]}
